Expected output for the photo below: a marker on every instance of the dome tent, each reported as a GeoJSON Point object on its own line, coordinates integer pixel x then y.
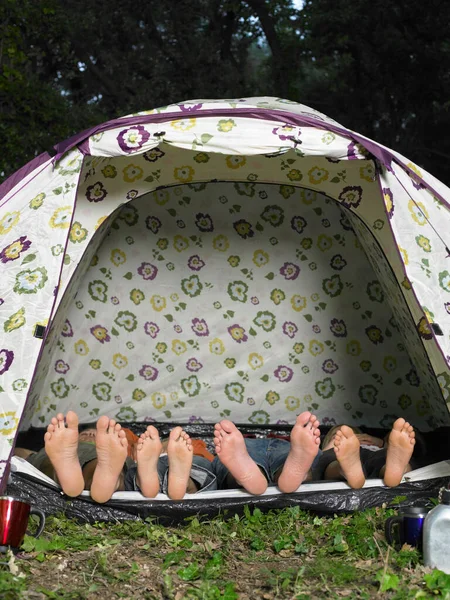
{"type": "Point", "coordinates": [246, 259]}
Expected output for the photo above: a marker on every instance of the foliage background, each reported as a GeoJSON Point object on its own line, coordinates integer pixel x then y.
{"type": "Point", "coordinates": [382, 69]}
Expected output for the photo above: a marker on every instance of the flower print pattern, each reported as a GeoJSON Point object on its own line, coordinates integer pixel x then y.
{"type": "Point", "coordinates": [30, 281]}
{"type": "Point", "coordinates": [133, 138]}
{"type": "Point", "coordinates": [9, 221]}
{"type": "Point", "coordinates": [13, 251]}
{"type": "Point", "coordinates": [351, 196]}
{"type": "Point", "coordinates": [6, 360]}
{"type": "Point", "coordinates": [96, 192]}
{"type": "Point", "coordinates": [232, 284]}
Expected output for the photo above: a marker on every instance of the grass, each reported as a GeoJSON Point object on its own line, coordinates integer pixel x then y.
{"type": "Point", "coordinates": [286, 553]}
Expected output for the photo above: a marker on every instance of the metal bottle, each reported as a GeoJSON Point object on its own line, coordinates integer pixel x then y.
{"type": "Point", "coordinates": [436, 534]}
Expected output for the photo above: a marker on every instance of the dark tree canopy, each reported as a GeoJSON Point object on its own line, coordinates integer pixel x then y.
{"type": "Point", "coordinates": [381, 69]}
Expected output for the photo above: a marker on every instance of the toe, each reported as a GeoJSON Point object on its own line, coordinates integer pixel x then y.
{"type": "Point", "coordinates": [227, 426]}
{"type": "Point", "coordinates": [175, 433]}
{"type": "Point", "coordinates": [102, 424]}
{"type": "Point", "coordinates": [72, 420]}
{"type": "Point", "coordinates": [398, 424]}
{"type": "Point", "coordinates": [303, 418]}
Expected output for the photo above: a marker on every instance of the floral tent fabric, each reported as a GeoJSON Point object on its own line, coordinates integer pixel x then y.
{"type": "Point", "coordinates": [247, 259]}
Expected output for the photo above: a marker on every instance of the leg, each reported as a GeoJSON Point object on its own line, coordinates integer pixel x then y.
{"type": "Point", "coordinates": [399, 451]}
{"type": "Point", "coordinates": [111, 445]}
{"type": "Point", "coordinates": [305, 441]}
{"type": "Point", "coordinates": [346, 447]}
{"type": "Point", "coordinates": [61, 444]}
{"type": "Point", "coordinates": [180, 454]}
{"type": "Point", "coordinates": [147, 455]}
{"type": "Point", "coordinates": [232, 452]}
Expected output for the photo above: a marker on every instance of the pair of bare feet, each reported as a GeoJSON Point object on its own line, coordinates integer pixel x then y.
{"type": "Point", "coordinates": [233, 454]}
{"type": "Point", "coordinates": [400, 447]}
{"type": "Point", "coordinates": [105, 473]}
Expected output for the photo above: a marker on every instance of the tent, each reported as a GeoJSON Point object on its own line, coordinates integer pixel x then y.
{"type": "Point", "coordinates": [244, 259]}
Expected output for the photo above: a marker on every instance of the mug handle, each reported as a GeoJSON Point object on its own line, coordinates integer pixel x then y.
{"type": "Point", "coordinates": [388, 528]}
{"type": "Point", "coordinates": [41, 515]}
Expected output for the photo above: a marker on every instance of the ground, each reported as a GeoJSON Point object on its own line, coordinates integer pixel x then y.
{"type": "Point", "coordinates": [279, 554]}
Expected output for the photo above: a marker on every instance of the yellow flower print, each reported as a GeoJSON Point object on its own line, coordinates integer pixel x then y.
{"type": "Point", "coordinates": [158, 302]}
{"type": "Point", "coordinates": [132, 173]}
{"type": "Point", "coordinates": [158, 400]}
{"type": "Point", "coordinates": [367, 172]}
{"type": "Point", "coordinates": [37, 201]}
{"type": "Point", "coordinates": [178, 347]}
{"type": "Point", "coordinates": [317, 175]}
{"type": "Point", "coordinates": [235, 162]}
{"type": "Point", "coordinates": [8, 422]}
{"type": "Point", "coordinates": [161, 197]}
{"type": "Point", "coordinates": [216, 346]}
{"type": "Point", "coordinates": [174, 297]}
{"type": "Point", "coordinates": [260, 258]}
{"type": "Point", "coordinates": [404, 255]}
{"type": "Point", "coordinates": [180, 243]}
{"type": "Point", "coordinates": [118, 257]}
{"type": "Point", "coordinates": [272, 397]}
{"type": "Point", "coordinates": [162, 243]}
{"type": "Point", "coordinates": [324, 242]}
{"type": "Point", "coordinates": [354, 348]}
{"type": "Point", "coordinates": [415, 169]}
{"type": "Point", "coordinates": [184, 174]}
{"type": "Point", "coordinates": [109, 171]}
{"type": "Point", "coordinates": [388, 201]}
{"type": "Point", "coordinates": [328, 138]}
{"type": "Point", "coordinates": [81, 348]}
{"type": "Point", "coordinates": [137, 296]}
{"type": "Point", "coordinates": [316, 347]}
{"type": "Point", "coordinates": [77, 233]}
{"type": "Point", "coordinates": [119, 361]}
{"type": "Point", "coordinates": [308, 196]}
{"type": "Point", "coordinates": [418, 212]}
{"type": "Point", "coordinates": [298, 302]}
{"type": "Point", "coordinates": [255, 361]}
{"type": "Point", "coordinates": [225, 125]}
{"type": "Point", "coordinates": [99, 222]}
{"type": "Point", "coordinates": [61, 218]}
{"type": "Point", "coordinates": [298, 347]}
{"type": "Point", "coordinates": [15, 321]}
{"type": "Point", "coordinates": [183, 124]}
{"type": "Point", "coordinates": [9, 221]}
{"type": "Point", "coordinates": [221, 243]}
{"type": "Point", "coordinates": [292, 403]}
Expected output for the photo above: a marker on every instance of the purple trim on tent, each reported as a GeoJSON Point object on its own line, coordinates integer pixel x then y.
{"type": "Point", "coordinates": [16, 177]}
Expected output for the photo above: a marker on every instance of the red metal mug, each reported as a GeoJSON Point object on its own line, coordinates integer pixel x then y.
{"type": "Point", "coordinates": [14, 514]}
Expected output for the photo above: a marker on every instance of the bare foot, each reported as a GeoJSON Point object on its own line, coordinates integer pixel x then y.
{"type": "Point", "coordinates": [147, 454]}
{"type": "Point", "coordinates": [305, 441]}
{"type": "Point", "coordinates": [180, 454]}
{"type": "Point", "coordinates": [346, 448]}
{"type": "Point", "coordinates": [111, 444]}
{"type": "Point", "coordinates": [231, 449]}
{"type": "Point", "coordinates": [399, 451]}
{"type": "Point", "coordinates": [61, 445]}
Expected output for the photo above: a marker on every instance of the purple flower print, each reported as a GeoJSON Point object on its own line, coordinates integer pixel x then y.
{"type": "Point", "coordinates": [12, 251]}
{"type": "Point", "coordinates": [61, 367]}
{"type": "Point", "coordinates": [133, 138]}
{"type": "Point", "coordinates": [96, 192]}
{"type": "Point", "coordinates": [193, 365]}
{"type": "Point", "coordinates": [329, 366]}
{"type": "Point", "coordinates": [351, 196]}
{"type": "Point", "coordinates": [199, 327]}
{"type": "Point", "coordinates": [283, 373]}
{"type": "Point", "coordinates": [147, 271]}
{"type": "Point", "coordinates": [286, 132]}
{"type": "Point", "coordinates": [153, 155]}
{"type": "Point", "coordinates": [290, 329]}
{"type": "Point", "coordinates": [148, 372]}
{"type": "Point", "coordinates": [115, 300]}
{"type": "Point", "coordinates": [177, 328]}
{"type": "Point", "coordinates": [237, 333]}
{"type": "Point", "coordinates": [100, 333]}
{"type": "Point", "coordinates": [67, 330]}
{"type": "Point", "coordinates": [204, 222]}
{"type": "Point", "coordinates": [151, 329]}
{"type": "Point", "coordinates": [338, 328]}
{"type": "Point", "coordinates": [447, 307]}
{"type": "Point", "coordinates": [132, 194]}
{"type": "Point", "coordinates": [298, 224]}
{"type": "Point", "coordinates": [185, 108]}
{"type": "Point", "coordinates": [153, 223]}
{"type": "Point", "coordinates": [6, 358]}
{"type": "Point", "coordinates": [195, 263]}
{"type": "Point", "coordinates": [194, 419]}
{"type": "Point", "coordinates": [254, 300]}
{"type": "Point", "coordinates": [316, 329]}
{"type": "Point", "coordinates": [290, 271]}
